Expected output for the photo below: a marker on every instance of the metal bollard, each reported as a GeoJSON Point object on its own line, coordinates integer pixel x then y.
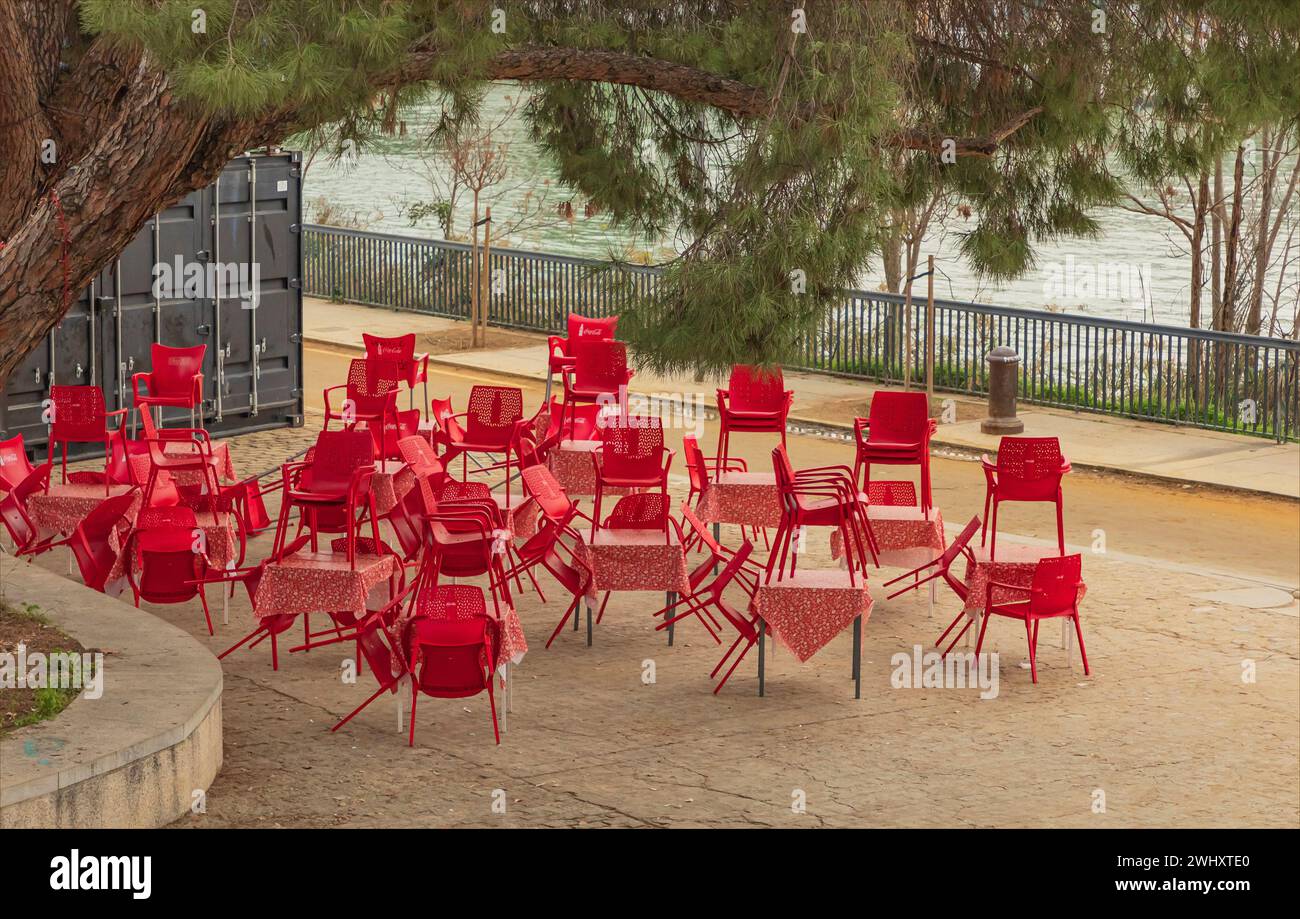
{"type": "Point", "coordinates": [1003, 372]}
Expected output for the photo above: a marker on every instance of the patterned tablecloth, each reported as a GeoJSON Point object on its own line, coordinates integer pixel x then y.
{"type": "Point", "coordinates": [745, 498]}
{"type": "Point", "coordinates": [1014, 565]}
{"type": "Point", "coordinates": [66, 504]}
{"type": "Point", "coordinates": [574, 468]}
{"type": "Point", "coordinates": [636, 560]}
{"type": "Point", "coordinates": [221, 462]}
{"type": "Point", "coordinates": [310, 582]}
{"type": "Point", "coordinates": [807, 610]}
{"type": "Point", "coordinates": [905, 538]}
{"type": "Point", "coordinates": [390, 484]}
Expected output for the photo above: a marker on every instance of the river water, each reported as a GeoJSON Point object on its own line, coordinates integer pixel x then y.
{"type": "Point", "coordinates": [1134, 270]}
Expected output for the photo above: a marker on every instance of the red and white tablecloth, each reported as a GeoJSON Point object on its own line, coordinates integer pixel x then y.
{"type": "Point", "coordinates": [573, 465]}
{"type": "Point", "coordinates": [520, 517]}
{"type": "Point", "coordinates": [903, 535]}
{"type": "Point", "coordinates": [636, 560]}
{"type": "Point", "coordinates": [390, 484]}
{"type": "Point", "coordinates": [1015, 565]}
{"type": "Point", "coordinates": [221, 464]}
{"type": "Point", "coordinates": [66, 504]}
{"type": "Point", "coordinates": [807, 610]}
{"type": "Point", "coordinates": [310, 582]}
{"type": "Point", "coordinates": [745, 498]}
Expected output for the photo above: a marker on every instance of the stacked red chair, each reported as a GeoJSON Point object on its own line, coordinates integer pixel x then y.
{"type": "Point", "coordinates": [697, 601]}
{"type": "Point", "coordinates": [491, 422]}
{"type": "Point", "coordinates": [175, 380]}
{"type": "Point", "coordinates": [1027, 469]}
{"type": "Point", "coordinates": [1053, 594]}
{"type": "Point", "coordinates": [411, 367]}
{"type": "Point", "coordinates": [632, 456]}
{"type": "Point", "coordinates": [561, 351]}
{"type": "Point", "coordinates": [453, 646]}
{"type": "Point", "coordinates": [823, 496]}
{"type": "Point", "coordinates": [369, 396]}
{"type": "Point", "coordinates": [543, 548]}
{"type": "Point", "coordinates": [599, 376]}
{"type": "Point", "coordinates": [896, 433]}
{"type": "Point", "coordinates": [330, 489]}
{"type": "Point", "coordinates": [754, 402]}
{"type": "Point", "coordinates": [78, 417]}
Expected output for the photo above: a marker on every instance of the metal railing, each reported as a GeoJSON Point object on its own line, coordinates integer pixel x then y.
{"type": "Point", "coordinates": [1216, 380]}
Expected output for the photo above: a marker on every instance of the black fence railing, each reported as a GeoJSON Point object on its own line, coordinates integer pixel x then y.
{"type": "Point", "coordinates": [1222, 381]}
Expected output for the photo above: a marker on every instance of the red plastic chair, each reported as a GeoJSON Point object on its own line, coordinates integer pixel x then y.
{"type": "Point", "coordinates": [453, 647]}
{"type": "Point", "coordinates": [896, 433]}
{"type": "Point", "coordinates": [599, 376]}
{"type": "Point", "coordinates": [14, 464]}
{"type": "Point", "coordinates": [490, 424]}
{"type": "Point", "coordinates": [330, 487]}
{"type": "Point", "coordinates": [543, 548]}
{"type": "Point", "coordinates": [560, 356]}
{"type": "Point", "coordinates": [171, 567]}
{"type": "Point", "coordinates": [745, 624]}
{"type": "Point", "coordinates": [633, 455]}
{"type": "Point", "coordinates": [89, 542]}
{"type": "Point", "coordinates": [697, 466]}
{"type": "Point", "coordinates": [412, 367]}
{"type": "Point", "coordinates": [386, 660]}
{"type": "Point", "coordinates": [754, 402]}
{"type": "Point", "coordinates": [370, 396]}
{"type": "Point", "coordinates": [267, 626]}
{"type": "Point", "coordinates": [823, 496]}
{"type": "Point", "coordinates": [1027, 469]}
{"type": "Point", "coordinates": [13, 508]}
{"type": "Point", "coordinates": [79, 418]}
{"type": "Point", "coordinates": [746, 577]}
{"type": "Point", "coordinates": [891, 494]}
{"type": "Point", "coordinates": [1054, 593]}
{"type": "Point", "coordinates": [447, 431]}
{"type": "Point", "coordinates": [942, 568]}
{"type": "Point", "coordinates": [176, 380]}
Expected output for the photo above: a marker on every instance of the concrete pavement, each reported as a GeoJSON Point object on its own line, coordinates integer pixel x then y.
{"type": "Point", "coordinates": [1178, 454]}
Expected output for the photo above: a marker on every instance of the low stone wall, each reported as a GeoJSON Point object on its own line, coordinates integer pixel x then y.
{"type": "Point", "coordinates": [133, 757]}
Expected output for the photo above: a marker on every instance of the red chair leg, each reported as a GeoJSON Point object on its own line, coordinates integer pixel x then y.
{"type": "Point", "coordinates": [1033, 658]}
{"type": "Point", "coordinates": [979, 644]}
{"type": "Point", "coordinates": [356, 711]}
{"type": "Point", "coordinates": [740, 657]}
{"type": "Point", "coordinates": [492, 701]}
{"type": "Point", "coordinates": [984, 529]}
{"type": "Point", "coordinates": [1078, 631]}
{"type": "Point", "coordinates": [203, 598]}
{"type": "Point", "coordinates": [415, 695]}
{"type": "Point", "coordinates": [567, 613]}
{"type": "Point", "coordinates": [993, 539]}
{"type": "Point", "coordinates": [1060, 523]}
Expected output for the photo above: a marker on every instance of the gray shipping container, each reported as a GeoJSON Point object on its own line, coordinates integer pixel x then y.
{"type": "Point", "coordinates": [252, 373]}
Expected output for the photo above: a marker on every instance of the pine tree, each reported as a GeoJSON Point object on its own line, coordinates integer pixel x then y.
{"type": "Point", "coordinates": [779, 138]}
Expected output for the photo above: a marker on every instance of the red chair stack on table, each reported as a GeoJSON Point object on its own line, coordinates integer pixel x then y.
{"type": "Point", "coordinates": [386, 660]}
{"type": "Point", "coordinates": [561, 351]}
{"type": "Point", "coordinates": [632, 456]}
{"type": "Point", "coordinates": [698, 536]}
{"type": "Point", "coordinates": [13, 508]}
{"type": "Point", "coordinates": [599, 376]}
{"type": "Point", "coordinates": [754, 402]}
{"type": "Point", "coordinates": [78, 417]}
{"type": "Point", "coordinates": [896, 433]}
{"type": "Point", "coordinates": [823, 496]}
{"type": "Point", "coordinates": [330, 488]}
{"type": "Point", "coordinates": [746, 624]}
{"type": "Point", "coordinates": [453, 647]}
{"type": "Point", "coordinates": [369, 396]}
{"type": "Point", "coordinates": [558, 514]}
{"type": "Point", "coordinates": [412, 368]}
{"type": "Point", "coordinates": [490, 425]}
{"type": "Point", "coordinates": [176, 380]}
{"type": "Point", "coordinates": [1027, 469]}
{"type": "Point", "coordinates": [269, 626]}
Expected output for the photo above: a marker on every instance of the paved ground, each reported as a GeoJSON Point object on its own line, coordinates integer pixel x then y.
{"type": "Point", "coordinates": [1177, 453]}
{"type": "Point", "coordinates": [1193, 590]}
